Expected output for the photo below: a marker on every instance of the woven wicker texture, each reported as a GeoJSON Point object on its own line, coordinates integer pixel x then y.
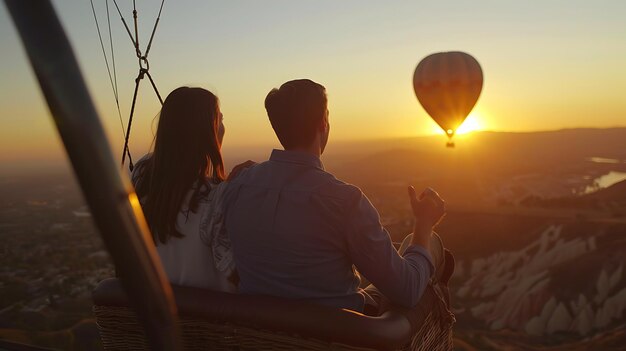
{"type": "Point", "coordinates": [119, 330]}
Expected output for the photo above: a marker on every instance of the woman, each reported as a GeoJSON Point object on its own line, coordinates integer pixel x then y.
{"type": "Point", "coordinates": [180, 186]}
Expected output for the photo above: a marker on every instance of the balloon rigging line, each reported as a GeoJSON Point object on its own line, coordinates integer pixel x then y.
{"type": "Point", "coordinates": [112, 56]}
{"type": "Point", "coordinates": [112, 78]}
{"type": "Point", "coordinates": [144, 67]}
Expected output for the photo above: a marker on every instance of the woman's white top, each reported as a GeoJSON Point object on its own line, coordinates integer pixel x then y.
{"type": "Point", "coordinates": [202, 257]}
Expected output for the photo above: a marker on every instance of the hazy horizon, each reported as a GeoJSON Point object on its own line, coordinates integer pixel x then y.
{"type": "Point", "coordinates": [234, 154]}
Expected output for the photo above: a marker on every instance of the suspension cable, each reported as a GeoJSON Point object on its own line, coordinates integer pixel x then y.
{"type": "Point", "coordinates": [130, 122]}
{"type": "Point", "coordinates": [130, 35]}
{"type": "Point", "coordinates": [136, 30]}
{"type": "Point", "coordinates": [143, 71]}
{"type": "Point", "coordinates": [112, 55]}
{"type": "Point", "coordinates": [112, 78]}
{"type": "Point", "coordinates": [156, 23]}
{"type": "Point", "coordinates": [106, 60]}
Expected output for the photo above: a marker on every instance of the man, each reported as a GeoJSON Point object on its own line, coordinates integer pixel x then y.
{"type": "Point", "coordinates": [298, 232]}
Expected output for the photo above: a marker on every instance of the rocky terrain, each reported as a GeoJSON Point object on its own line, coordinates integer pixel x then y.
{"type": "Point", "coordinates": [521, 290]}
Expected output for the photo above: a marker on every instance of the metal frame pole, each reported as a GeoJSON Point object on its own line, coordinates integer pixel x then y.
{"type": "Point", "coordinates": [113, 203]}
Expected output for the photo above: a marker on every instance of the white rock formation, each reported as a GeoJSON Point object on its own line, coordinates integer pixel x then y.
{"type": "Point", "coordinates": [583, 322]}
{"type": "Point", "coordinates": [514, 288]}
{"type": "Point", "coordinates": [602, 287]}
{"type": "Point", "coordinates": [560, 320]}
{"type": "Point", "coordinates": [616, 277]}
{"type": "Point", "coordinates": [535, 326]}
{"type": "Point", "coordinates": [548, 310]}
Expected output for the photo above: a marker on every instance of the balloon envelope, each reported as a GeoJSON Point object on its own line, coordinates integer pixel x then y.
{"type": "Point", "coordinates": [448, 84]}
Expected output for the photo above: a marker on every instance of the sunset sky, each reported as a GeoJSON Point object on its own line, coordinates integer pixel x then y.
{"type": "Point", "coordinates": [547, 65]}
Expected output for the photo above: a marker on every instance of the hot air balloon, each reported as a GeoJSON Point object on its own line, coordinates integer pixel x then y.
{"type": "Point", "coordinates": [448, 84]}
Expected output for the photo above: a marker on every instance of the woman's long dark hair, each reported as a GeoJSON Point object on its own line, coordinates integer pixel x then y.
{"type": "Point", "coordinates": [187, 151]}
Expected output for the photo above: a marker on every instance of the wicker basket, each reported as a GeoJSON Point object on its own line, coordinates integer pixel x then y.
{"type": "Point", "coordinates": [120, 330]}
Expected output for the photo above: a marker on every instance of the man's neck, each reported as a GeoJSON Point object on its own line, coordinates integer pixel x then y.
{"type": "Point", "coordinates": [313, 149]}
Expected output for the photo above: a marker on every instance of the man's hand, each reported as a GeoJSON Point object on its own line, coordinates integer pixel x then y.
{"type": "Point", "coordinates": [429, 208]}
{"type": "Point", "coordinates": [428, 211]}
{"type": "Point", "coordinates": [238, 168]}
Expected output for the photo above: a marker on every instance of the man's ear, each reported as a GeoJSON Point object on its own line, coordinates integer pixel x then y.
{"type": "Point", "coordinates": [324, 123]}
{"type": "Point", "coordinates": [323, 126]}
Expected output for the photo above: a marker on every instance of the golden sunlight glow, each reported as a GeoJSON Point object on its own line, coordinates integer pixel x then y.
{"type": "Point", "coordinates": [134, 201]}
{"type": "Point", "coordinates": [141, 220]}
{"type": "Point", "coordinates": [436, 129]}
{"type": "Point", "coordinates": [471, 124]}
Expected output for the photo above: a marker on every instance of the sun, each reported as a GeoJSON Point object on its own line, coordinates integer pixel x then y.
{"type": "Point", "coordinates": [471, 124]}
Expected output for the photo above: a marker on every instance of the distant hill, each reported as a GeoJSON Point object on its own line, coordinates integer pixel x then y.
{"type": "Point", "coordinates": [500, 152]}
{"type": "Point", "coordinates": [611, 197]}
{"type": "Point", "coordinates": [484, 165]}
{"type": "Point", "coordinates": [616, 193]}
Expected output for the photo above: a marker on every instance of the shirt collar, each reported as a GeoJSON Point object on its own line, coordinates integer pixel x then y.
{"type": "Point", "coordinates": [297, 157]}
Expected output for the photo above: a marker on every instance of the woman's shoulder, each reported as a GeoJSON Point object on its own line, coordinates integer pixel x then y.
{"type": "Point", "coordinates": [143, 161]}
{"type": "Point", "coordinates": [207, 185]}
{"type": "Point", "coordinates": [209, 191]}
{"type": "Point", "coordinates": [139, 168]}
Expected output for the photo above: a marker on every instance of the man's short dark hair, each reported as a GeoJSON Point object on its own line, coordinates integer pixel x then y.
{"type": "Point", "coordinates": [296, 110]}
